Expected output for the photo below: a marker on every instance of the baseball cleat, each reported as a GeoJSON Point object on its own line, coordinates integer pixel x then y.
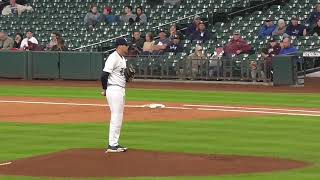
{"type": "Point", "coordinates": [116, 149]}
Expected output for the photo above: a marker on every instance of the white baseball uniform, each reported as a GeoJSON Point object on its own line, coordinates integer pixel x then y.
{"type": "Point", "coordinates": [115, 93]}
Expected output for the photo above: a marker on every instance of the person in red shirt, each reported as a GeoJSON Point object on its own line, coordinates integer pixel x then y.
{"type": "Point", "coordinates": [237, 45]}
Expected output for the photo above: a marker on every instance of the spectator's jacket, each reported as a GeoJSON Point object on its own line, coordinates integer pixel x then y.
{"type": "Point", "coordinates": [92, 19]}
{"type": "Point", "coordinates": [235, 45]}
{"type": "Point", "coordinates": [174, 48]}
{"type": "Point", "coordinates": [19, 9]}
{"type": "Point", "coordinates": [128, 18]}
{"type": "Point", "coordinates": [279, 32]}
{"type": "Point", "coordinates": [191, 29]}
{"type": "Point", "coordinates": [266, 31]}
{"type": "Point", "coordinates": [200, 36]}
{"type": "Point", "coordinates": [6, 44]}
{"type": "Point", "coordinates": [315, 31]}
{"type": "Point", "coordinates": [313, 18]}
{"type": "Point", "coordinates": [109, 18]}
{"type": "Point", "coordinates": [275, 50]}
{"type": "Point", "coordinates": [288, 51]}
{"type": "Point", "coordinates": [295, 30]}
{"type": "Point", "coordinates": [141, 19]}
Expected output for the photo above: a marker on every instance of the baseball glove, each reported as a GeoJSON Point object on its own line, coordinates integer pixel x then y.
{"type": "Point", "coordinates": [129, 73]}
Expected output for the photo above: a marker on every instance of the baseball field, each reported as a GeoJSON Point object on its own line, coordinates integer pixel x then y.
{"type": "Point", "coordinates": [58, 130]}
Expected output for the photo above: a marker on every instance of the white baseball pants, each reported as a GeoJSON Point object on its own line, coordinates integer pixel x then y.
{"type": "Point", "coordinates": [116, 100]}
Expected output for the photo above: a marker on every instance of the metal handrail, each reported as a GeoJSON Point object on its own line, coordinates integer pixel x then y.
{"type": "Point", "coordinates": [155, 27]}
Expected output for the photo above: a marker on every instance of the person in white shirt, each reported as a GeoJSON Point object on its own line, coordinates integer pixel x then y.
{"type": "Point", "coordinates": [15, 9]}
{"type": "Point", "coordinates": [113, 83]}
{"type": "Point", "coordinates": [24, 43]}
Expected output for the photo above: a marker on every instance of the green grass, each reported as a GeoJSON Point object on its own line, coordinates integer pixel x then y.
{"type": "Point", "coordinates": [279, 136]}
{"type": "Point", "coordinates": [181, 96]}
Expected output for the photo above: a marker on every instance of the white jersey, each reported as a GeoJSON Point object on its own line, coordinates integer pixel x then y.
{"type": "Point", "coordinates": [115, 65]}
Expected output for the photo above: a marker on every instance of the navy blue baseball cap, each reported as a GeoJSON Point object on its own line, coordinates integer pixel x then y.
{"type": "Point", "coordinates": [121, 41]}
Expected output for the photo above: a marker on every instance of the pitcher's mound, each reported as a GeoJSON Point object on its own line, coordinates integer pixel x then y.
{"type": "Point", "coordinates": [95, 163]}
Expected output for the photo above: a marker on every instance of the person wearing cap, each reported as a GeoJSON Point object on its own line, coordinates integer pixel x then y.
{"type": "Point", "coordinates": [161, 44]}
{"type": "Point", "coordinates": [273, 48]}
{"type": "Point", "coordinates": [194, 62]}
{"type": "Point", "coordinates": [92, 18]}
{"type": "Point", "coordinates": [108, 17]}
{"type": "Point", "coordinates": [175, 45]}
{"type": "Point", "coordinates": [267, 28]}
{"type": "Point", "coordinates": [316, 30]}
{"type": "Point", "coordinates": [296, 29]}
{"type": "Point", "coordinates": [6, 42]}
{"type": "Point", "coordinates": [215, 63]}
{"type": "Point", "coordinates": [281, 28]}
{"type": "Point", "coordinates": [314, 16]}
{"type": "Point", "coordinates": [201, 34]}
{"type": "Point", "coordinates": [24, 43]}
{"type": "Point", "coordinates": [15, 9]}
{"type": "Point", "coordinates": [193, 27]}
{"type": "Point", "coordinates": [113, 83]}
{"type": "Point", "coordinates": [237, 45]}
{"type": "Point", "coordinates": [287, 49]}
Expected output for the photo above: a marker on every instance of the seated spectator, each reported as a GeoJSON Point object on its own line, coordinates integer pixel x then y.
{"type": "Point", "coordinates": [172, 2]}
{"type": "Point", "coordinates": [194, 62]}
{"type": "Point", "coordinates": [148, 45]}
{"type": "Point", "coordinates": [24, 43]}
{"type": "Point", "coordinates": [17, 40]}
{"type": "Point", "coordinates": [108, 17]}
{"type": "Point", "coordinates": [92, 18]}
{"type": "Point", "coordinates": [287, 48]}
{"type": "Point", "coordinates": [316, 30]}
{"type": "Point", "coordinates": [267, 28]}
{"type": "Point", "coordinates": [161, 44]}
{"type": "Point", "coordinates": [175, 45]}
{"type": "Point", "coordinates": [193, 27]}
{"type": "Point", "coordinates": [314, 16]}
{"type": "Point", "coordinates": [215, 63]}
{"type": "Point", "coordinates": [237, 45]}
{"type": "Point", "coordinates": [136, 44]}
{"type": "Point", "coordinates": [6, 42]}
{"type": "Point", "coordinates": [15, 9]}
{"type": "Point", "coordinates": [273, 48]}
{"type": "Point", "coordinates": [53, 40]}
{"type": "Point", "coordinates": [201, 34]}
{"type": "Point", "coordinates": [174, 32]}
{"type": "Point", "coordinates": [140, 16]}
{"type": "Point", "coordinates": [296, 29]}
{"type": "Point", "coordinates": [280, 30]}
{"type": "Point", "coordinates": [60, 46]}
{"type": "Point", "coordinates": [128, 17]}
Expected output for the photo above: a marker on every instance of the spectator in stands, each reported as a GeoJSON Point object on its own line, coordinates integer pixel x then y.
{"type": "Point", "coordinates": [267, 28]}
{"type": "Point", "coordinates": [193, 27]}
{"type": "Point", "coordinates": [280, 30]}
{"type": "Point", "coordinates": [92, 18]}
{"type": "Point", "coordinates": [53, 40]}
{"type": "Point", "coordinates": [128, 17]}
{"type": "Point", "coordinates": [136, 44]}
{"type": "Point", "coordinates": [140, 16]}
{"type": "Point", "coordinates": [194, 62]}
{"type": "Point", "coordinates": [287, 48]}
{"type": "Point", "coordinates": [172, 2]}
{"type": "Point", "coordinates": [296, 29]}
{"type": "Point", "coordinates": [201, 34]}
{"type": "Point", "coordinates": [215, 63]}
{"type": "Point", "coordinates": [237, 45]}
{"type": "Point", "coordinates": [273, 48]}
{"type": "Point", "coordinates": [24, 43]}
{"type": "Point", "coordinates": [17, 40]}
{"type": "Point", "coordinates": [316, 30]}
{"type": "Point", "coordinates": [60, 46]}
{"type": "Point", "coordinates": [148, 44]}
{"type": "Point", "coordinates": [174, 32]}
{"type": "Point", "coordinates": [175, 45]}
{"type": "Point", "coordinates": [108, 17]}
{"type": "Point", "coordinates": [161, 44]}
{"type": "Point", "coordinates": [15, 9]}
{"type": "Point", "coordinates": [6, 42]}
{"type": "Point", "coordinates": [314, 16]}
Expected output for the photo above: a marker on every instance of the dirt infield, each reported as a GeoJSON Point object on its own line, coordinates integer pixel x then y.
{"type": "Point", "coordinates": [95, 163]}
{"type": "Point", "coordinates": [312, 85]}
